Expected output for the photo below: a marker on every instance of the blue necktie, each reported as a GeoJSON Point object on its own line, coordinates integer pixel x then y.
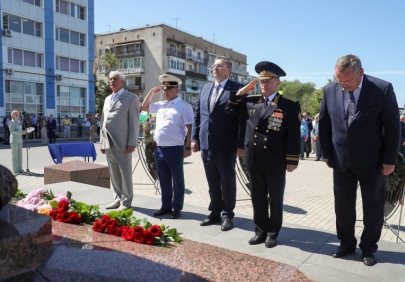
{"type": "Point", "coordinates": [351, 109]}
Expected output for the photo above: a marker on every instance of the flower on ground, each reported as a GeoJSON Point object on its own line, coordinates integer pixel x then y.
{"type": "Point", "coordinates": [155, 230]}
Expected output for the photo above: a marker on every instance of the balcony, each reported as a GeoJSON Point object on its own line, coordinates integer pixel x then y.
{"type": "Point", "coordinates": [132, 71]}
{"type": "Point", "coordinates": [133, 86]}
{"type": "Point", "coordinates": [197, 59]}
{"type": "Point", "coordinates": [131, 53]}
{"type": "Point", "coordinates": [196, 75]}
{"type": "Point", "coordinates": [175, 53]}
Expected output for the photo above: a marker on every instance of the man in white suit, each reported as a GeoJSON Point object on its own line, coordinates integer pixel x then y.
{"type": "Point", "coordinates": [119, 136]}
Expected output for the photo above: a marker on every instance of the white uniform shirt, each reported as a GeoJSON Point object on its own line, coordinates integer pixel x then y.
{"type": "Point", "coordinates": [171, 119]}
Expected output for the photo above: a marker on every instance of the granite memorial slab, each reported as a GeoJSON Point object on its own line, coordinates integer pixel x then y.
{"type": "Point", "coordinates": [78, 171]}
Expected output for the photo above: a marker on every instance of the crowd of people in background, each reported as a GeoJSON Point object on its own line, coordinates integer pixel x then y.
{"type": "Point", "coordinates": [46, 128]}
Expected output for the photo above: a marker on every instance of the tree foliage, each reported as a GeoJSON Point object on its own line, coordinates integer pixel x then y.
{"type": "Point", "coordinates": [103, 90]}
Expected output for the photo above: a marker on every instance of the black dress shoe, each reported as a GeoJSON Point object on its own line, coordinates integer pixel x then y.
{"type": "Point", "coordinates": [369, 258]}
{"type": "Point", "coordinates": [162, 212]}
{"type": "Point", "coordinates": [257, 239]}
{"type": "Point", "coordinates": [210, 221]}
{"type": "Point", "coordinates": [342, 251]}
{"type": "Point", "coordinates": [227, 224]}
{"type": "Point", "coordinates": [175, 214]}
{"type": "Point", "coordinates": [270, 242]}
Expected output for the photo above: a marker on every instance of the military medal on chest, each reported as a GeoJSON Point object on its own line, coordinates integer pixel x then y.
{"type": "Point", "coordinates": [276, 120]}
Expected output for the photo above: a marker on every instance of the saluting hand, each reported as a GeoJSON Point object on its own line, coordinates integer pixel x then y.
{"type": "Point", "coordinates": [156, 90]}
{"type": "Point", "coordinates": [247, 88]}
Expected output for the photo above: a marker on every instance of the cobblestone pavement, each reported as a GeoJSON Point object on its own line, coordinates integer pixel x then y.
{"type": "Point", "coordinates": [308, 200]}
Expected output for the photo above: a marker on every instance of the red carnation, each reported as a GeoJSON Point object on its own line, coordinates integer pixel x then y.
{"type": "Point", "coordinates": [155, 230]}
{"type": "Point", "coordinates": [98, 226]}
{"type": "Point", "coordinates": [114, 230]}
{"type": "Point", "coordinates": [74, 218]}
{"type": "Point", "coordinates": [138, 230]}
{"type": "Point", "coordinates": [63, 206]}
{"type": "Point", "coordinates": [129, 234]}
{"type": "Point", "coordinates": [53, 214]}
{"type": "Point", "coordinates": [112, 223]}
{"type": "Point", "coordinates": [148, 238]}
{"type": "Point", "coordinates": [138, 238]}
{"type": "Point", "coordinates": [105, 219]}
{"type": "Point", "coordinates": [62, 216]}
{"type": "Point", "coordinates": [124, 230]}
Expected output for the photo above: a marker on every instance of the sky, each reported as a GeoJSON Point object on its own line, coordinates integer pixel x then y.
{"type": "Point", "coordinates": [304, 37]}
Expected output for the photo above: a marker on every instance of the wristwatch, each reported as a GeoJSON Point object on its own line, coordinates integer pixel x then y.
{"type": "Point", "coordinates": [188, 148]}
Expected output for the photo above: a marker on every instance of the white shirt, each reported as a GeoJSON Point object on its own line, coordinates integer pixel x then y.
{"type": "Point", "coordinates": [221, 87]}
{"type": "Point", "coordinates": [116, 96]}
{"type": "Point", "coordinates": [270, 98]}
{"type": "Point", "coordinates": [171, 119]}
{"type": "Point", "coordinates": [356, 94]}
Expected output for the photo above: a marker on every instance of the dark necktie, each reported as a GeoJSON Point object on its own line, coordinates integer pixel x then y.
{"type": "Point", "coordinates": [351, 109]}
{"type": "Point", "coordinates": [214, 95]}
{"type": "Point", "coordinates": [267, 101]}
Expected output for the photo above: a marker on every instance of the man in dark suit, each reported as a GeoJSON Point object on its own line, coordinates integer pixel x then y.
{"type": "Point", "coordinates": [220, 137]}
{"type": "Point", "coordinates": [272, 146]}
{"type": "Point", "coordinates": [51, 129]}
{"type": "Point", "coordinates": [308, 145]}
{"type": "Point", "coordinates": [359, 133]}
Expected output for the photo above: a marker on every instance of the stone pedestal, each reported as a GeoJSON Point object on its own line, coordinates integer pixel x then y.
{"type": "Point", "coordinates": [78, 171]}
{"type": "Point", "coordinates": [25, 240]}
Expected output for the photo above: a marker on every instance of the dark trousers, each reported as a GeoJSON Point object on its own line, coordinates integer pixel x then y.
{"type": "Point", "coordinates": [308, 147]}
{"type": "Point", "coordinates": [51, 135]}
{"type": "Point", "coordinates": [169, 163]}
{"type": "Point", "coordinates": [6, 132]}
{"type": "Point", "coordinates": [302, 146]}
{"type": "Point", "coordinates": [318, 149]}
{"type": "Point", "coordinates": [264, 184]}
{"type": "Point", "coordinates": [80, 131]}
{"type": "Point", "coordinates": [221, 177]}
{"type": "Point", "coordinates": [373, 195]}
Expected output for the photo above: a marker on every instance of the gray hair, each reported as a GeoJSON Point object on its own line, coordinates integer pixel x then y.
{"type": "Point", "coordinates": [14, 112]}
{"type": "Point", "coordinates": [227, 62]}
{"type": "Point", "coordinates": [117, 73]}
{"type": "Point", "coordinates": [348, 61]}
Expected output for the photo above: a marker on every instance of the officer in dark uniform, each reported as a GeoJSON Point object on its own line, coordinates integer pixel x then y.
{"type": "Point", "coordinates": [272, 146]}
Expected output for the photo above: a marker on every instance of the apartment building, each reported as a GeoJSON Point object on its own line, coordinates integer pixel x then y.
{"type": "Point", "coordinates": [145, 53]}
{"type": "Point", "coordinates": [46, 57]}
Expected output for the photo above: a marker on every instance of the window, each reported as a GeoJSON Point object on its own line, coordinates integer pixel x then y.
{"type": "Point", "coordinates": [71, 101]}
{"type": "Point", "coordinates": [203, 69]}
{"type": "Point", "coordinates": [24, 96]}
{"type": "Point", "coordinates": [70, 36]}
{"type": "Point", "coordinates": [22, 25]}
{"type": "Point", "coordinates": [62, 7]}
{"type": "Point", "coordinates": [101, 69]}
{"type": "Point", "coordinates": [24, 58]}
{"type": "Point", "coordinates": [33, 2]}
{"type": "Point", "coordinates": [175, 63]}
{"type": "Point", "coordinates": [173, 48]}
{"type": "Point", "coordinates": [71, 65]}
{"type": "Point", "coordinates": [71, 9]}
{"type": "Point", "coordinates": [101, 52]}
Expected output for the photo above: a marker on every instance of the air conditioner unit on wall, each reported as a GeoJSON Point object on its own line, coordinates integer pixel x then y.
{"type": "Point", "coordinates": [8, 32]}
{"type": "Point", "coordinates": [9, 71]}
{"type": "Point", "coordinates": [59, 77]}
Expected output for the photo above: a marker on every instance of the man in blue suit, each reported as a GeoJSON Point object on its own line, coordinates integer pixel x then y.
{"type": "Point", "coordinates": [220, 137]}
{"type": "Point", "coordinates": [359, 134]}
